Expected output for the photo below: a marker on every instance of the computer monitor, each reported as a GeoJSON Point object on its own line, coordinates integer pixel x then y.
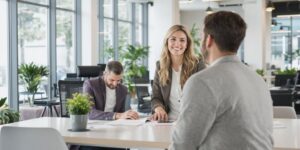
{"type": "Point", "coordinates": [66, 89]}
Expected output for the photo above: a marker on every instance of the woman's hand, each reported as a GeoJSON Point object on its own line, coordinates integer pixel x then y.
{"type": "Point", "coordinates": [159, 114]}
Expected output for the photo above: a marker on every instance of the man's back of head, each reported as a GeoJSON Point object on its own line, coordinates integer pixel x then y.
{"type": "Point", "coordinates": [226, 28]}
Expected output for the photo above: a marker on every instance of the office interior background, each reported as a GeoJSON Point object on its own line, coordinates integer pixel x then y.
{"type": "Point", "coordinates": [63, 34]}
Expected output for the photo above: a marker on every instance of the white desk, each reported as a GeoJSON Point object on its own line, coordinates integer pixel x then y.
{"type": "Point", "coordinates": [148, 136]}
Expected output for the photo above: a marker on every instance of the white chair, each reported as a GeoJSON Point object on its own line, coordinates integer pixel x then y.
{"type": "Point", "coordinates": [284, 112]}
{"type": "Point", "coordinates": [21, 138]}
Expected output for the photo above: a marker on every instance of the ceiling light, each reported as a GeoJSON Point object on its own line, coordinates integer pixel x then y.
{"type": "Point", "coordinates": [209, 10]}
{"type": "Point", "coordinates": [270, 7]}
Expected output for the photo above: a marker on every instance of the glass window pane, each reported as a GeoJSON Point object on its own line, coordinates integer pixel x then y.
{"type": "Point", "coordinates": [67, 4]}
{"type": "Point", "coordinates": [3, 49]}
{"type": "Point", "coordinates": [65, 43]}
{"type": "Point", "coordinates": [108, 40]}
{"type": "Point", "coordinates": [285, 42]}
{"type": "Point", "coordinates": [138, 13]}
{"type": "Point", "coordinates": [32, 43]}
{"type": "Point", "coordinates": [138, 34]}
{"type": "Point", "coordinates": [124, 10]}
{"type": "Point", "coordinates": [44, 2]}
{"type": "Point", "coordinates": [138, 25]}
{"type": "Point", "coordinates": [124, 34]}
{"type": "Point", "coordinates": [107, 6]}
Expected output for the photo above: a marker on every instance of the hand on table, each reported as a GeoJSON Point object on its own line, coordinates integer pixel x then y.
{"type": "Point", "coordinates": [130, 114]}
{"type": "Point", "coordinates": [159, 114]}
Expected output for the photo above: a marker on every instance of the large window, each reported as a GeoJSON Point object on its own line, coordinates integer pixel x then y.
{"type": "Point", "coordinates": [285, 44]}
{"type": "Point", "coordinates": [3, 49]}
{"type": "Point", "coordinates": [46, 30]}
{"type": "Point", "coordinates": [65, 24]}
{"type": "Point", "coordinates": [121, 23]}
{"type": "Point", "coordinates": [32, 42]}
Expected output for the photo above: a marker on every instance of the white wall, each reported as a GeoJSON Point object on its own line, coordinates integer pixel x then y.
{"type": "Point", "coordinates": [257, 43]}
{"type": "Point", "coordinates": [90, 53]}
{"type": "Point", "coordinates": [188, 18]}
{"type": "Point", "coordinates": [162, 15]}
{"type": "Point", "coordinates": [256, 37]}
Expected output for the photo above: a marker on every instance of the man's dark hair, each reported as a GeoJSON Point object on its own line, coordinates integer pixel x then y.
{"type": "Point", "coordinates": [115, 67]}
{"type": "Point", "coordinates": [226, 28]}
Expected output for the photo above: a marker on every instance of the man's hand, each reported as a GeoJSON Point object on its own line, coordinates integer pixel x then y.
{"type": "Point", "coordinates": [130, 114]}
{"type": "Point", "coordinates": [159, 114]}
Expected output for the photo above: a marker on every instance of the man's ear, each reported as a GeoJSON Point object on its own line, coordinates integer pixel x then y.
{"type": "Point", "coordinates": [209, 40]}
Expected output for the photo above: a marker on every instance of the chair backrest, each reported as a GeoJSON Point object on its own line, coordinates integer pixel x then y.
{"type": "Point", "coordinates": [24, 138]}
{"type": "Point", "coordinates": [66, 89]}
{"type": "Point", "coordinates": [285, 80]}
{"type": "Point", "coordinates": [89, 71]}
{"type": "Point", "coordinates": [282, 98]}
{"type": "Point", "coordinates": [284, 112]}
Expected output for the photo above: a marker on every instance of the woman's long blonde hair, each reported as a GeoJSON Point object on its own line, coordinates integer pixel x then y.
{"type": "Point", "coordinates": [190, 60]}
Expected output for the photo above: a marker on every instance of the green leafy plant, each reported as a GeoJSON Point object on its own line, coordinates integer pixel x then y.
{"type": "Point", "coordinates": [195, 34]}
{"type": "Point", "coordinates": [260, 72]}
{"type": "Point", "coordinates": [79, 104]}
{"type": "Point", "coordinates": [31, 74]}
{"type": "Point", "coordinates": [286, 71]}
{"type": "Point", "coordinates": [131, 58]}
{"type": "Point", "coordinates": [7, 115]}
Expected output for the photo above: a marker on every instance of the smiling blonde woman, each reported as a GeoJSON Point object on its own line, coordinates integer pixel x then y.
{"type": "Point", "coordinates": [177, 63]}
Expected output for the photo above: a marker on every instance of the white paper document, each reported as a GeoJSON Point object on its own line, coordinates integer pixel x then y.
{"type": "Point", "coordinates": [277, 124]}
{"type": "Point", "coordinates": [142, 121]}
{"type": "Point", "coordinates": [128, 122]}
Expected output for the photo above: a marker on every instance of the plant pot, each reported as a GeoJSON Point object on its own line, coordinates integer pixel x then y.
{"type": "Point", "coordinates": [78, 122]}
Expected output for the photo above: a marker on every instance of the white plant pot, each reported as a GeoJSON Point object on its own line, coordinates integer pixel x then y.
{"type": "Point", "coordinates": [78, 122]}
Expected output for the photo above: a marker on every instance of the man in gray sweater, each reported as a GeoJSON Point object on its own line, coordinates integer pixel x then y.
{"type": "Point", "coordinates": [226, 106]}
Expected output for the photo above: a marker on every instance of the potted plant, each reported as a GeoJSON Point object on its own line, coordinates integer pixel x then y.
{"type": "Point", "coordinates": [132, 58]}
{"type": "Point", "coordinates": [78, 107]}
{"type": "Point", "coordinates": [261, 72]}
{"type": "Point", "coordinates": [31, 75]}
{"type": "Point", "coordinates": [7, 115]}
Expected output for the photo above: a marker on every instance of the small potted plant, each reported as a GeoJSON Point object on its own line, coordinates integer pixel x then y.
{"type": "Point", "coordinates": [78, 107]}
{"type": "Point", "coordinates": [7, 115]}
{"type": "Point", "coordinates": [31, 75]}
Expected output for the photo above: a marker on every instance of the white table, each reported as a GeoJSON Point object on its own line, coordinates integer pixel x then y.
{"type": "Point", "coordinates": [148, 136]}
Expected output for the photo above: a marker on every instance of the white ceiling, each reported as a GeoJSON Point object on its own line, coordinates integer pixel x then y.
{"type": "Point", "coordinates": [194, 5]}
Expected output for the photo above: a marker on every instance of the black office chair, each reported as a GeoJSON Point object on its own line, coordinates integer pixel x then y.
{"type": "Point", "coordinates": [66, 89]}
{"type": "Point", "coordinates": [282, 98]}
{"type": "Point", "coordinates": [285, 81]}
{"type": "Point", "coordinates": [144, 106]}
{"type": "Point", "coordinates": [89, 71]}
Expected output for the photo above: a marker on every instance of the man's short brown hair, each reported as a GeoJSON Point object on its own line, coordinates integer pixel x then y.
{"type": "Point", "coordinates": [226, 28]}
{"type": "Point", "coordinates": [115, 67]}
